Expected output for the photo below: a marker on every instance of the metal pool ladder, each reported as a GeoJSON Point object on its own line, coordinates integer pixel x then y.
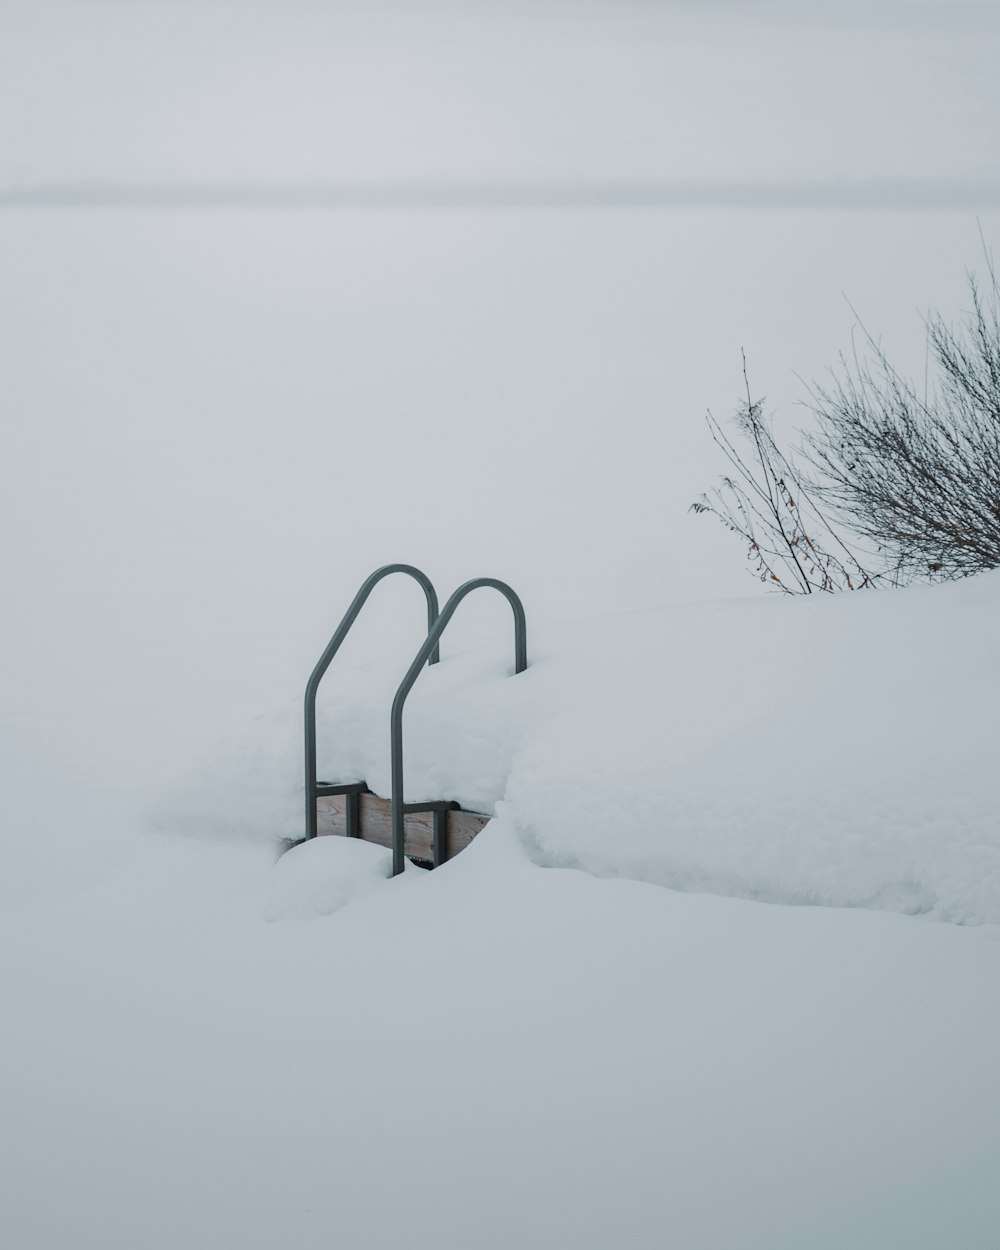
{"type": "Point", "coordinates": [429, 653]}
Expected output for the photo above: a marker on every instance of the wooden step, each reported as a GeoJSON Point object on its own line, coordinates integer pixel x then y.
{"type": "Point", "coordinates": [376, 825]}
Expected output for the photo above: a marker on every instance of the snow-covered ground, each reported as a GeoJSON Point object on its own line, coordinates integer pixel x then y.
{"type": "Point", "coordinates": [838, 751]}
{"type": "Point", "coordinates": [494, 1055]}
{"type": "Point", "coordinates": [722, 972]}
{"type": "Point", "coordinates": [572, 1034]}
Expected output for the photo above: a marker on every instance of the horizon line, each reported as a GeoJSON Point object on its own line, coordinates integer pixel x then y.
{"type": "Point", "coordinates": [926, 194]}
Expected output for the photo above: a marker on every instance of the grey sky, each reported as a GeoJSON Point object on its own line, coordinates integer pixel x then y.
{"type": "Point", "coordinates": [303, 92]}
{"type": "Point", "coordinates": [948, 16]}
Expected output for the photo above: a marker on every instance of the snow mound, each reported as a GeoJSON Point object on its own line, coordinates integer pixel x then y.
{"type": "Point", "coordinates": [837, 751]}
{"type": "Point", "coordinates": [834, 751]}
{"type": "Point", "coordinates": [319, 877]}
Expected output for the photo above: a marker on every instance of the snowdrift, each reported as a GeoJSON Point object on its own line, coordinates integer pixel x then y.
{"type": "Point", "coordinates": [835, 751]}
{"type": "Point", "coordinates": [205, 1047]}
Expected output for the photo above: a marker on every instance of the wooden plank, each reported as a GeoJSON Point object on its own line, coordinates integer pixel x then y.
{"type": "Point", "coordinates": [376, 825]}
{"type": "Point", "coordinates": [331, 814]}
{"type": "Point", "coordinates": [462, 828]}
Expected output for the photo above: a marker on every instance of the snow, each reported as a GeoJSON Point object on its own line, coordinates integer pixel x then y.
{"type": "Point", "coordinates": [835, 751]}
{"type": "Point", "coordinates": [319, 877]}
{"type": "Point", "coordinates": [491, 1055]}
{"type": "Point", "coordinates": [575, 1033]}
{"type": "Point", "coordinates": [602, 1024]}
{"type": "Point", "coordinates": [526, 390]}
{"type": "Point", "coordinates": [722, 972]}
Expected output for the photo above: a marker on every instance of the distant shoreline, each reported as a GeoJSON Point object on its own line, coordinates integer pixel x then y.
{"type": "Point", "coordinates": [895, 194]}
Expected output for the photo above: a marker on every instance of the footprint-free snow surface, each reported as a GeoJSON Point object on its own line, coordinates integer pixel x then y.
{"type": "Point", "coordinates": [722, 973]}
{"type": "Point", "coordinates": [836, 750]}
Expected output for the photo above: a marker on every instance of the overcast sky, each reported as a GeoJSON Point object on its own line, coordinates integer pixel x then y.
{"type": "Point", "coordinates": [306, 92]}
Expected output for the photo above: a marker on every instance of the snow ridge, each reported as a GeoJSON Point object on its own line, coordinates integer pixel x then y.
{"type": "Point", "coordinates": [835, 751]}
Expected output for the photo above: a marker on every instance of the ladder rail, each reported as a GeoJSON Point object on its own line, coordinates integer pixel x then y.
{"type": "Point", "coordinates": [431, 647]}
{"type": "Point", "coordinates": [432, 656]}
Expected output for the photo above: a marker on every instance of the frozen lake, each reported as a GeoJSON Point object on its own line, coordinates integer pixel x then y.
{"type": "Point", "coordinates": [218, 422]}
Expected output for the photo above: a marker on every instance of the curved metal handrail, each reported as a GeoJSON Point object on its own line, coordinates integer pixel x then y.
{"type": "Point", "coordinates": [333, 646]}
{"type": "Point", "coordinates": [430, 647]}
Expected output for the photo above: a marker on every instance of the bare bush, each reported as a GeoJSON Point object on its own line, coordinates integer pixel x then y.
{"type": "Point", "coordinates": [918, 475]}
{"type": "Point", "coordinates": [790, 543]}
